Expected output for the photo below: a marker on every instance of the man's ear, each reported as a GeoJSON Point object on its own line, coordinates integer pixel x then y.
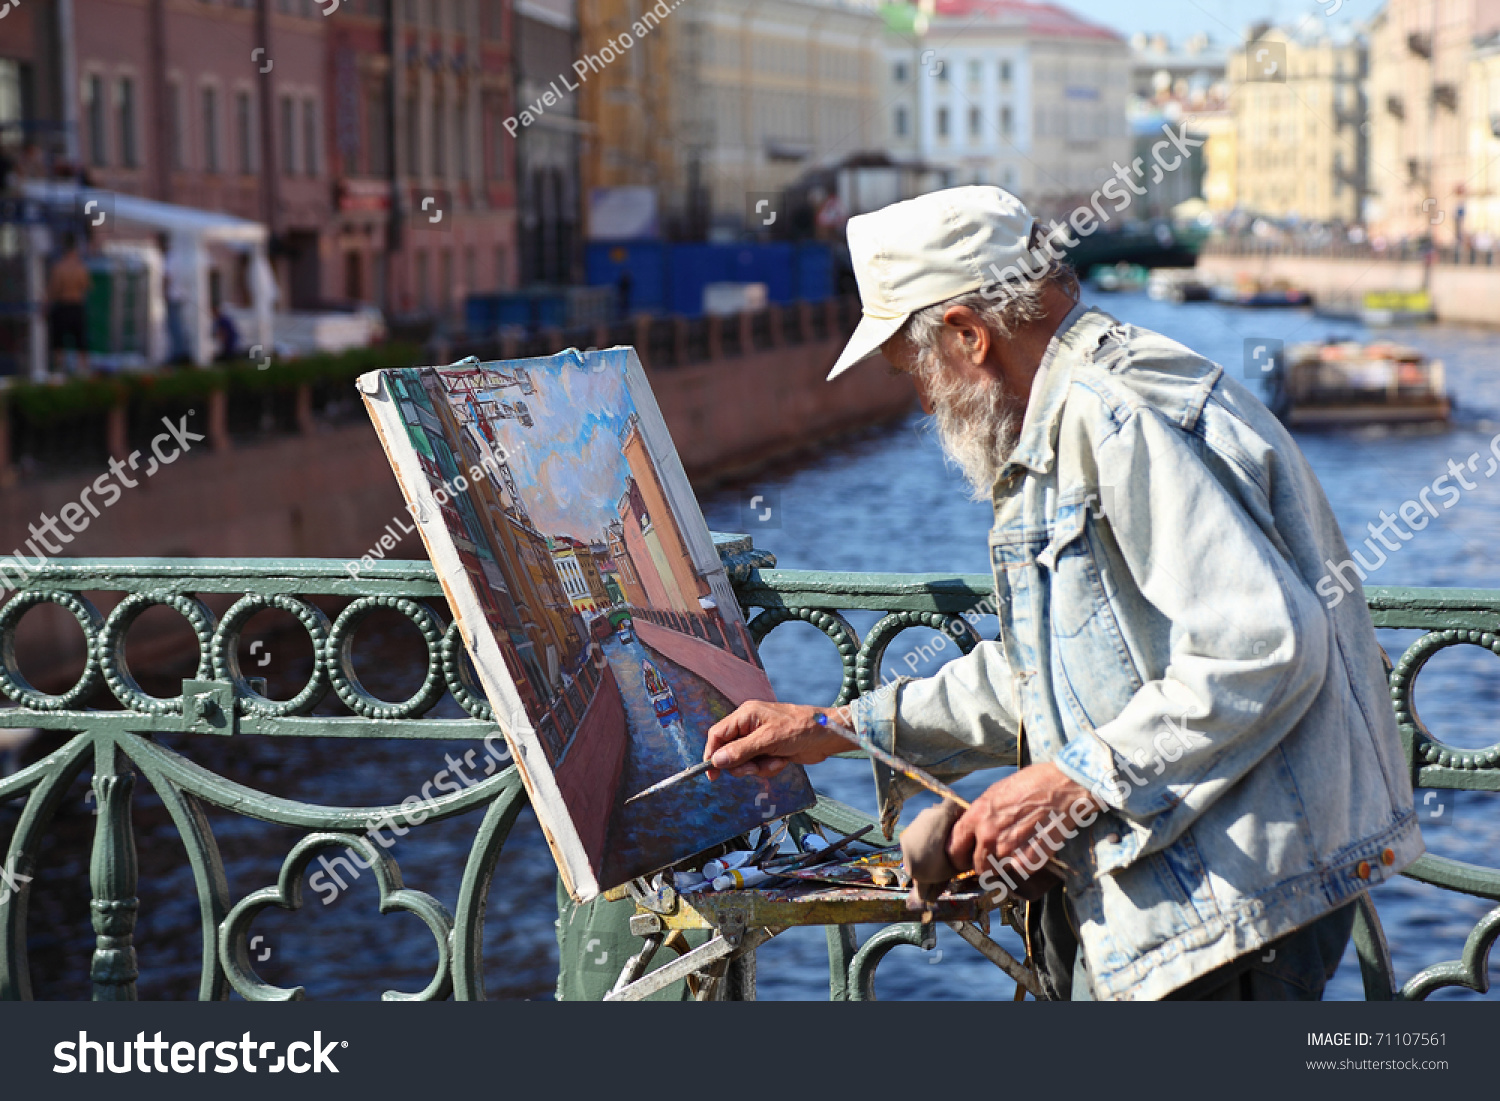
{"type": "Point", "coordinates": [973, 334]}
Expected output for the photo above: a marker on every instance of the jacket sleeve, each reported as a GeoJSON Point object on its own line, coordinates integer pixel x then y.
{"type": "Point", "coordinates": [951, 724]}
{"type": "Point", "coordinates": [1248, 644]}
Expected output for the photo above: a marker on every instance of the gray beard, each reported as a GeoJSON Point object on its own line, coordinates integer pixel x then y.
{"type": "Point", "coordinates": [976, 426]}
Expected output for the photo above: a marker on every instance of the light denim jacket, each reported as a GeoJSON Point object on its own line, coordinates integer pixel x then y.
{"type": "Point", "coordinates": [1156, 543]}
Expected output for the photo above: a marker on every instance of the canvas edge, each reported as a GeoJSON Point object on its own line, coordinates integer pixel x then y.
{"type": "Point", "coordinates": [552, 813]}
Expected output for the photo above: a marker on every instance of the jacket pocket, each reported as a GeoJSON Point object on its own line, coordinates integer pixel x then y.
{"type": "Point", "coordinates": [1076, 588]}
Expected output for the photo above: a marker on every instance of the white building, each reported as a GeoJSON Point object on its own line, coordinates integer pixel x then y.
{"type": "Point", "coordinates": [1027, 96]}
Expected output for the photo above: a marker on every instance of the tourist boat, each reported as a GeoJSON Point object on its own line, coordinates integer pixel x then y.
{"type": "Point", "coordinates": [662, 697]}
{"type": "Point", "coordinates": [1119, 277]}
{"type": "Point", "coordinates": [1254, 295]}
{"type": "Point", "coordinates": [1397, 308]}
{"type": "Point", "coordinates": [1345, 382]}
{"type": "Point", "coordinates": [1179, 285]}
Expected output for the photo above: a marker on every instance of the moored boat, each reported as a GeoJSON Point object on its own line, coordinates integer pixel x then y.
{"type": "Point", "coordinates": [1348, 383]}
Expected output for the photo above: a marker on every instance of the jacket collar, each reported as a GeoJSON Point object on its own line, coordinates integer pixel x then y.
{"type": "Point", "coordinates": [1036, 446]}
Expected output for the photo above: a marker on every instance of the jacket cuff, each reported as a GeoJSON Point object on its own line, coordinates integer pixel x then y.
{"type": "Point", "coordinates": [1116, 839]}
{"type": "Point", "coordinates": [873, 716]}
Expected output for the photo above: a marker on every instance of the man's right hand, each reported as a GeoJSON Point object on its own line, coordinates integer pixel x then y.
{"type": "Point", "coordinates": [761, 739]}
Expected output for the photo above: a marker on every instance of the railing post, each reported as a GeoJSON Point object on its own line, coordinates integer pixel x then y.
{"type": "Point", "coordinates": [305, 422]}
{"type": "Point", "coordinates": [218, 420]}
{"type": "Point", "coordinates": [7, 466]}
{"type": "Point", "coordinates": [774, 318]}
{"type": "Point", "coordinates": [715, 338]}
{"type": "Point", "coordinates": [113, 876]}
{"type": "Point", "coordinates": [116, 429]}
{"type": "Point", "coordinates": [643, 339]}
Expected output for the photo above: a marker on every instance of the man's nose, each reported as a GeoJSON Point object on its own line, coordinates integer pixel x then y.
{"type": "Point", "coordinates": [922, 398]}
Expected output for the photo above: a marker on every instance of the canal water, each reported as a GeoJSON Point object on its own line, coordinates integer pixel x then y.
{"type": "Point", "coordinates": [884, 501]}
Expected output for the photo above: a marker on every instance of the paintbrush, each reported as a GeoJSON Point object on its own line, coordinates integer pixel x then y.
{"type": "Point", "coordinates": [891, 761]}
{"type": "Point", "coordinates": [672, 781]}
{"type": "Point", "coordinates": [911, 771]}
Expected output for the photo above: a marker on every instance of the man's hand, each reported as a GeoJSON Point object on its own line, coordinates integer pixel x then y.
{"type": "Point", "coordinates": [761, 739]}
{"type": "Point", "coordinates": [1025, 816]}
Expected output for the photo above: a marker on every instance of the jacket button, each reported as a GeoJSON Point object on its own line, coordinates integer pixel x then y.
{"type": "Point", "coordinates": [1363, 871]}
{"type": "Point", "coordinates": [1388, 857]}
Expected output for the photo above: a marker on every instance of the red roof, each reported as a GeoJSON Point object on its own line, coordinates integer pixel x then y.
{"type": "Point", "coordinates": [1036, 19]}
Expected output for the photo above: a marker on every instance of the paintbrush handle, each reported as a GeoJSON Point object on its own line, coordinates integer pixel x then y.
{"type": "Point", "coordinates": [891, 761]}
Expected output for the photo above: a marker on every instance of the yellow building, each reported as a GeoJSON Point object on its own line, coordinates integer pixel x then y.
{"type": "Point", "coordinates": [1221, 158]}
{"type": "Point", "coordinates": [1299, 108]}
{"type": "Point", "coordinates": [720, 99]}
{"type": "Point", "coordinates": [1482, 198]}
{"type": "Point", "coordinates": [1423, 65]}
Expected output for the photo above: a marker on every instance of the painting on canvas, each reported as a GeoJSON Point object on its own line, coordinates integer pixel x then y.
{"type": "Point", "coordinates": [598, 615]}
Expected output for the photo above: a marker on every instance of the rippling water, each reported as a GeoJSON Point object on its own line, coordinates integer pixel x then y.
{"type": "Point", "coordinates": [885, 501]}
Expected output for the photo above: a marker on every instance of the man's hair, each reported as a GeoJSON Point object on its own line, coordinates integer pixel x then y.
{"type": "Point", "coordinates": [1003, 307]}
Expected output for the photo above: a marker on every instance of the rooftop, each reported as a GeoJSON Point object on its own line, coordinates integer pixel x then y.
{"type": "Point", "coordinates": [1048, 20]}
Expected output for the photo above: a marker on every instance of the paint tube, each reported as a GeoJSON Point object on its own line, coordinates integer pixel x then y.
{"type": "Point", "coordinates": [689, 881]}
{"type": "Point", "coordinates": [736, 878]}
{"type": "Point", "coordinates": [729, 861]}
{"type": "Point", "coordinates": [812, 843]}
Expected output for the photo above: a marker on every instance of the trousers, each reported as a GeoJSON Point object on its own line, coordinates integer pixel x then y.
{"type": "Point", "coordinates": [1293, 968]}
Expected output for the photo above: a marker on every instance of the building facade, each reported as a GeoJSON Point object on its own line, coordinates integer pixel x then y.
{"type": "Point", "coordinates": [1026, 96]}
{"type": "Point", "coordinates": [1299, 105]}
{"type": "Point", "coordinates": [1421, 115]}
{"type": "Point", "coordinates": [366, 134]}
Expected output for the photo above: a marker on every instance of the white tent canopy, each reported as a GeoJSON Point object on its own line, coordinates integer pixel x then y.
{"type": "Point", "coordinates": [190, 233]}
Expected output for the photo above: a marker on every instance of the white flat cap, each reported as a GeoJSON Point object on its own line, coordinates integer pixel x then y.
{"type": "Point", "coordinates": [923, 251]}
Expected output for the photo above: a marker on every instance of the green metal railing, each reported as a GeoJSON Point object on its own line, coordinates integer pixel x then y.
{"type": "Point", "coordinates": [222, 701]}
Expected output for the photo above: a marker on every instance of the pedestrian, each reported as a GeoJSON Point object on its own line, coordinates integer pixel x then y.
{"type": "Point", "coordinates": [67, 309]}
{"type": "Point", "coordinates": [1210, 770]}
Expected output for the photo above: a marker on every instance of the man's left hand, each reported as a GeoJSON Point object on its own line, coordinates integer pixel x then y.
{"type": "Point", "coordinates": [1024, 817]}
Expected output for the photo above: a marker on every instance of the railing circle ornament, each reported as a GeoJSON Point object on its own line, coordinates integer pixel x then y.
{"type": "Point", "coordinates": [872, 653]}
{"type": "Point", "coordinates": [339, 659]}
{"type": "Point", "coordinates": [835, 626]}
{"type": "Point", "coordinates": [226, 657]}
{"type": "Point", "coordinates": [14, 684]}
{"type": "Point", "coordinates": [110, 648]}
{"type": "Point", "coordinates": [467, 696]}
{"type": "Point", "coordinates": [1403, 682]}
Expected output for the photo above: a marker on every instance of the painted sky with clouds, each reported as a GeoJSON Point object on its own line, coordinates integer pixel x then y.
{"type": "Point", "coordinates": [568, 466]}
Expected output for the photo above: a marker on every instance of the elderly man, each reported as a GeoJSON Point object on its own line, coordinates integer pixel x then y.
{"type": "Point", "coordinates": [1208, 756]}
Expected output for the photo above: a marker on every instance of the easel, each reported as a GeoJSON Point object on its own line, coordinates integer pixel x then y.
{"type": "Point", "coordinates": [741, 921]}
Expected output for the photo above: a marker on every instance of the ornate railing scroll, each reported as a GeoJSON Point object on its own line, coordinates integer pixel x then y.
{"type": "Point", "coordinates": [119, 749]}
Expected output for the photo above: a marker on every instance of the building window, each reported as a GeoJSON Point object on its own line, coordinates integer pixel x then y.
{"type": "Point", "coordinates": [900, 122]}
{"type": "Point", "coordinates": [94, 106]}
{"type": "Point", "coordinates": [942, 122]}
{"type": "Point", "coordinates": [445, 287]}
{"type": "Point", "coordinates": [424, 301]}
{"type": "Point", "coordinates": [378, 144]}
{"type": "Point", "coordinates": [975, 69]}
{"type": "Point", "coordinates": [942, 71]}
{"type": "Point", "coordinates": [976, 122]}
{"type": "Point", "coordinates": [1005, 72]}
{"type": "Point", "coordinates": [244, 124]}
{"type": "Point", "coordinates": [176, 131]}
{"type": "Point", "coordinates": [211, 161]}
{"type": "Point", "coordinates": [288, 136]}
{"type": "Point", "coordinates": [461, 139]}
{"type": "Point", "coordinates": [898, 72]}
{"type": "Point", "coordinates": [413, 138]}
{"type": "Point", "coordinates": [310, 137]}
{"type": "Point", "coordinates": [125, 106]}
{"type": "Point", "coordinates": [439, 141]}
{"type": "Point", "coordinates": [1006, 120]}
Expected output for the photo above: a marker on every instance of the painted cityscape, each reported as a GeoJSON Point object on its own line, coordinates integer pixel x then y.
{"type": "Point", "coordinates": [613, 640]}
